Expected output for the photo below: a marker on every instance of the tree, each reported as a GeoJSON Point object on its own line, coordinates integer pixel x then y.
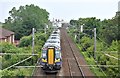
{"type": "Point", "coordinates": [22, 21]}
{"type": "Point", "coordinates": [109, 30]}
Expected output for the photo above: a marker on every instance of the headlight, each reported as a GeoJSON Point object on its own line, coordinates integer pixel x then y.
{"type": "Point", "coordinates": [44, 60]}
{"type": "Point", "coordinates": [57, 60]}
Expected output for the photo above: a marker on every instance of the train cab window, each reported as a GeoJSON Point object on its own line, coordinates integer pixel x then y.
{"type": "Point", "coordinates": [44, 54]}
{"type": "Point", "coordinates": [57, 54]}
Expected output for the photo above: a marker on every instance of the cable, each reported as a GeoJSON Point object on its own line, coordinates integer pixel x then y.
{"type": "Point", "coordinates": [16, 54]}
{"type": "Point", "coordinates": [34, 68]}
{"type": "Point", "coordinates": [17, 63]}
{"type": "Point", "coordinates": [95, 62]}
{"type": "Point", "coordinates": [102, 41]}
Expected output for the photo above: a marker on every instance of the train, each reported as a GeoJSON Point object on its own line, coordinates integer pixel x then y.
{"type": "Point", "coordinates": [51, 60]}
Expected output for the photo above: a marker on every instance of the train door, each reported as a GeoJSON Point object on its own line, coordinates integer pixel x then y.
{"type": "Point", "coordinates": [51, 56]}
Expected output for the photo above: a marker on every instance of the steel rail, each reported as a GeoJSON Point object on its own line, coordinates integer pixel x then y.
{"type": "Point", "coordinates": [69, 68]}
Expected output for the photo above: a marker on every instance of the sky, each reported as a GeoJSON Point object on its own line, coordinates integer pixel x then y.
{"type": "Point", "coordinates": [65, 9]}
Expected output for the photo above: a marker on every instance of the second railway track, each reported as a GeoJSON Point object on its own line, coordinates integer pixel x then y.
{"type": "Point", "coordinates": [74, 66]}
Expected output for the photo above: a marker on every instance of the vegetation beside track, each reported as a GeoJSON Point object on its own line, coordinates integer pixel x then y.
{"type": "Point", "coordinates": [106, 47]}
{"type": "Point", "coordinates": [21, 22]}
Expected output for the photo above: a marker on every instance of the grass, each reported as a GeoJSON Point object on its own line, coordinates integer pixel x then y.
{"type": "Point", "coordinates": [96, 69]}
{"type": "Point", "coordinates": [17, 72]}
{"type": "Point", "coordinates": [0, 62]}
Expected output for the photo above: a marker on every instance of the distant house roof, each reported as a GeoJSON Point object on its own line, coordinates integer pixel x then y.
{"type": "Point", "coordinates": [4, 33]}
{"type": "Point", "coordinates": [1, 36]}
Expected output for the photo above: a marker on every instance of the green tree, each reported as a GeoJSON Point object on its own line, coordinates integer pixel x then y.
{"type": "Point", "coordinates": [22, 21]}
{"type": "Point", "coordinates": [108, 30]}
{"type": "Point", "coordinates": [114, 46]}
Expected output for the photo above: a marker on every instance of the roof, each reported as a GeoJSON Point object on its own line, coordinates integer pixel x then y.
{"type": "Point", "coordinates": [4, 33]}
{"type": "Point", "coordinates": [1, 36]}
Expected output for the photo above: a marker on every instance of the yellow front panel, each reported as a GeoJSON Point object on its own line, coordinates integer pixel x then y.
{"type": "Point", "coordinates": [50, 56]}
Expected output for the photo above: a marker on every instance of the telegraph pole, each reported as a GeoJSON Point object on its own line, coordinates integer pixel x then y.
{"type": "Point", "coordinates": [75, 37]}
{"type": "Point", "coordinates": [95, 43]}
{"type": "Point", "coordinates": [81, 28]}
{"type": "Point", "coordinates": [79, 34]}
{"type": "Point", "coordinates": [33, 32]}
{"type": "Point", "coordinates": [45, 29]}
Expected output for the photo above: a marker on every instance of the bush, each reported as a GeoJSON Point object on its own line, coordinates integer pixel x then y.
{"type": "Point", "coordinates": [40, 39]}
{"type": "Point", "coordinates": [86, 42]}
{"type": "Point", "coordinates": [114, 46]}
{"type": "Point", "coordinates": [6, 47]}
{"type": "Point", "coordinates": [20, 73]}
{"type": "Point", "coordinates": [25, 41]}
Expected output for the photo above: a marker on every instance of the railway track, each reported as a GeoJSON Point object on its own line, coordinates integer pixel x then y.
{"type": "Point", "coordinates": [74, 61]}
{"type": "Point", "coordinates": [73, 52]}
{"type": "Point", "coordinates": [39, 73]}
{"type": "Point", "coordinates": [71, 61]}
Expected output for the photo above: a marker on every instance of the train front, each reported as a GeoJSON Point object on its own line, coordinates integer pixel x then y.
{"type": "Point", "coordinates": [51, 58]}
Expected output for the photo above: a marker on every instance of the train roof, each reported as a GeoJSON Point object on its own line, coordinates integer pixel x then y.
{"type": "Point", "coordinates": [56, 31]}
{"type": "Point", "coordinates": [52, 44]}
{"type": "Point", "coordinates": [54, 37]}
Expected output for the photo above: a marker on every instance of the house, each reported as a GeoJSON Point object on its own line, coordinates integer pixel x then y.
{"type": "Point", "coordinates": [6, 35]}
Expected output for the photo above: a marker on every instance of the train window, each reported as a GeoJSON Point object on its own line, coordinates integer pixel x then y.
{"type": "Point", "coordinates": [53, 41]}
{"type": "Point", "coordinates": [44, 51]}
{"type": "Point", "coordinates": [57, 54]}
{"type": "Point", "coordinates": [44, 54]}
{"type": "Point", "coordinates": [54, 32]}
{"type": "Point", "coordinates": [53, 37]}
